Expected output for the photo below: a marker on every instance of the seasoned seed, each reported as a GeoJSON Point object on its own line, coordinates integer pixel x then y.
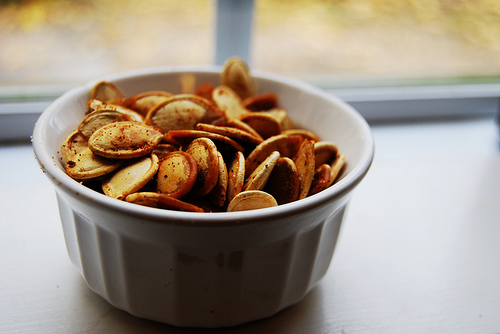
{"type": "Point", "coordinates": [325, 153]}
{"type": "Point", "coordinates": [283, 183]}
{"type": "Point", "coordinates": [229, 102]}
{"type": "Point", "coordinates": [304, 161]}
{"type": "Point", "coordinates": [321, 179]}
{"type": "Point", "coordinates": [236, 75]}
{"type": "Point", "coordinates": [131, 178]}
{"type": "Point", "coordinates": [233, 133]}
{"type": "Point", "coordinates": [72, 145]}
{"type": "Point", "coordinates": [236, 176]}
{"type": "Point", "coordinates": [125, 140]}
{"type": "Point", "coordinates": [183, 137]}
{"type": "Point", "coordinates": [177, 174]}
{"type": "Point", "coordinates": [144, 102]}
{"type": "Point", "coordinates": [87, 165]}
{"type": "Point", "coordinates": [251, 200]}
{"type": "Point", "coordinates": [257, 180]}
{"type": "Point", "coordinates": [337, 166]}
{"type": "Point", "coordinates": [106, 92]}
{"type": "Point", "coordinates": [204, 151]}
{"type": "Point", "coordinates": [162, 201]}
{"type": "Point", "coordinates": [218, 193]}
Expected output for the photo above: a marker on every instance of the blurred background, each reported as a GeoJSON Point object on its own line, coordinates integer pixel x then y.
{"type": "Point", "coordinates": [60, 43]}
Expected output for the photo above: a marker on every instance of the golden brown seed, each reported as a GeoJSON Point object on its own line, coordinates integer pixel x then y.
{"type": "Point", "coordinates": [236, 176]}
{"type": "Point", "coordinates": [87, 165]}
{"type": "Point", "coordinates": [183, 137]}
{"type": "Point", "coordinates": [236, 75]}
{"type": "Point", "coordinates": [106, 92]}
{"type": "Point", "coordinates": [283, 184]}
{"type": "Point", "coordinates": [337, 166]}
{"type": "Point", "coordinates": [218, 193]}
{"type": "Point", "coordinates": [257, 180]}
{"type": "Point", "coordinates": [305, 134]}
{"type": "Point", "coordinates": [287, 145]}
{"type": "Point", "coordinates": [204, 151]}
{"type": "Point", "coordinates": [325, 153]}
{"type": "Point", "coordinates": [162, 201]}
{"type": "Point", "coordinates": [236, 123]}
{"type": "Point", "coordinates": [72, 145]}
{"type": "Point", "coordinates": [183, 112]}
{"type": "Point", "coordinates": [131, 178]}
{"type": "Point", "coordinates": [176, 174]}
{"type": "Point", "coordinates": [162, 149]}
{"type": "Point", "coordinates": [304, 161]}
{"type": "Point", "coordinates": [261, 102]}
{"type": "Point", "coordinates": [233, 133]}
{"type": "Point", "coordinates": [251, 200]}
{"type": "Point", "coordinates": [229, 102]}
{"type": "Point", "coordinates": [125, 140]}
{"type": "Point", "coordinates": [99, 118]}
{"type": "Point", "coordinates": [321, 179]}
{"type": "Point", "coordinates": [145, 102]}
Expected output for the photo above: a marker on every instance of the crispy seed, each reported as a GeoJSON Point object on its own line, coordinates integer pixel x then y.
{"type": "Point", "coordinates": [304, 161]}
{"type": "Point", "coordinates": [287, 145]}
{"type": "Point", "coordinates": [183, 137]}
{"type": "Point", "coordinates": [233, 133]}
{"type": "Point", "coordinates": [99, 118]}
{"type": "Point", "coordinates": [218, 193]}
{"type": "Point", "coordinates": [251, 200]}
{"type": "Point", "coordinates": [267, 123]}
{"type": "Point", "coordinates": [325, 153]}
{"type": "Point", "coordinates": [305, 134]}
{"type": "Point", "coordinates": [257, 180]}
{"type": "Point", "coordinates": [162, 201]}
{"type": "Point", "coordinates": [144, 102]}
{"type": "Point", "coordinates": [177, 174]}
{"type": "Point", "coordinates": [106, 92]}
{"type": "Point", "coordinates": [321, 179]}
{"type": "Point", "coordinates": [87, 165]}
{"type": "Point", "coordinates": [162, 149]}
{"type": "Point", "coordinates": [204, 151]}
{"type": "Point", "coordinates": [236, 123]}
{"type": "Point", "coordinates": [236, 176]}
{"type": "Point", "coordinates": [337, 166]}
{"type": "Point", "coordinates": [125, 140]}
{"type": "Point", "coordinates": [131, 178]}
{"type": "Point", "coordinates": [236, 75]}
{"type": "Point", "coordinates": [205, 90]}
{"type": "Point", "coordinates": [261, 102]}
{"type": "Point", "coordinates": [229, 102]}
{"type": "Point", "coordinates": [183, 112]}
{"type": "Point", "coordinates": [283, 183]}
{"type": "Point", "coordinates": [72, 145]}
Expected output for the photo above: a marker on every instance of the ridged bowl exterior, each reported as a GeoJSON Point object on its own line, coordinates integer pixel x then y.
{"type": "Point", "coordinates": [204, 269]}
{"type": "Point", "coordinates": [199, 276]}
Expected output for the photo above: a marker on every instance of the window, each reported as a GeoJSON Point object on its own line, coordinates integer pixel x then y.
{"type": "Point", "coordinates": [389, 58]}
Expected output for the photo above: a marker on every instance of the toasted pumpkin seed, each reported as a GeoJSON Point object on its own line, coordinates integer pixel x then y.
{"type": "Point", "coordinates": [257, 180]}
{"type": "Point", "coordinates": [261, 102]}
{"type": "Point", "coordinates": [251, 200]}
{"type": "Point", "coordinates": [145, 102]}
{"type": "Point", "coordinates": [337, 166]}
{"type": "Point", "coordinates": [183, 112]}
{"type": "Point", "coordinates": [229, 102]}
{"type": "Point", "coordinates": [204, 151]}
{"type": "Point", "coordinates": [131, 178]}
{"type": "Point", "coordinates": [218, 193]}
{"type": "Point", "coordinates": [177, 174]}
{"type": "Point", "coordinates": [304, 161]}
{"type": "Point", "coordinates": [325, 153]}
{"type": "Point", "coordinates": [283, 183]}
{"type": "Point", "coordinates": [287, 145]}
{"type": "Point", "coordinates": [162, 149]}
{"type": "Point", "coordinates": [106, 91]}
{"type": "Point", "coordinates": [72, 145]}
{"type": "Point", "coordinates": [162, 201]}
{"type": "Point", "coordinates": [233, 133]}
{"type": "Point", "coordinates": [183, 137]}
{"type": "Point", "coordinates": [236, 123]}
{"type": "Point", "coordinates": [321, 179]}
{"type": "Point", "coordinates": [236, 75]}
{"type": "Point", "coordinates": [236, 176]}
{"type": "Point", "coordinates": [97, 119]}
{"type": "Point", "coordinates": [124, 140]}
{"type": "Point", "coordinates": [87, 165]}
{"type": "Point", "coordinates": [305, 134]}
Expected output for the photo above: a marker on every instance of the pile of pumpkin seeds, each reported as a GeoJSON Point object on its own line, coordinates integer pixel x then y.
{"type": "Point", "coordinates": [221, 148]}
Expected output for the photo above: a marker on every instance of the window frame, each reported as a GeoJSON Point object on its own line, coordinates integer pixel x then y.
{"type": "Point", "coordinates": [233, 26]}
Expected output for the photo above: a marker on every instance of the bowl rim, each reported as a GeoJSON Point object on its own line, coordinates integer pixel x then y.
{"type": "Point", "coordinates": [59, 177]}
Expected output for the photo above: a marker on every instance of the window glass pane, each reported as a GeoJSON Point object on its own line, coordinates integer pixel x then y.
{"type": "Point", "coordinates": [343, 40]}
{"type": "Point", "coordinates": [61, 42]}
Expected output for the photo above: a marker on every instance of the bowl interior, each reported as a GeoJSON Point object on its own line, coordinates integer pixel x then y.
{"type": "Point", "coordinates": [308, 107]}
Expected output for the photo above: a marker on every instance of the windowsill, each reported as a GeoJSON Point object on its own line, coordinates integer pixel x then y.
{"type": "Point", "coordinates": [418, 247]}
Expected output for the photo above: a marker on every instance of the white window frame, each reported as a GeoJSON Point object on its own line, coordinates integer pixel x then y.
{"type": "Point", "coordinates": [233, 29]}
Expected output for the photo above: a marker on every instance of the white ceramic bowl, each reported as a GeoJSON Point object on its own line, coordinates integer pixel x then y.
{"type": "Point", "coordinates": [204, 269]}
